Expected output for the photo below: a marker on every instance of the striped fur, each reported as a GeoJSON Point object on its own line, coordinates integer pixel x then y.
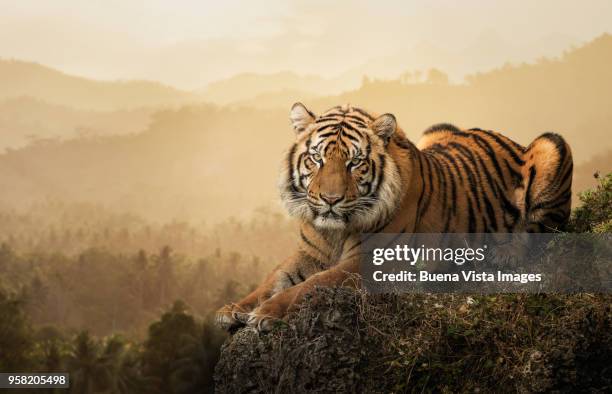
{"type": "Point", "coordinates": [351, 172]}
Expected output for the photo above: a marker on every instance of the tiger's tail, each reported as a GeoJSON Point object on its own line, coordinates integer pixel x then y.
{"type": "Point", "coordinates": [547, 182]}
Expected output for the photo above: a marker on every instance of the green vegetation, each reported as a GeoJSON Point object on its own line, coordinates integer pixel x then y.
{"type": "Point", "coordinates": [177, 356]}
{"type": "Point", "coordinates": [15, 334]}
{"type": "Point", "coordinates": [594, 214]}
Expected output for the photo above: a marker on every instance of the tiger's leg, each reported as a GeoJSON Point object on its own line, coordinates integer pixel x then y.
{"type": "Point", "coordinates": [314, 254]}
{"type": "Point", "coordinates": [293, 271]}
{"type": "Point", "coordinates": [277, 306]}
{"type": "Point", "coordinates": [233, 315]}
{"type": "Point", "coordinates": [547, 177]}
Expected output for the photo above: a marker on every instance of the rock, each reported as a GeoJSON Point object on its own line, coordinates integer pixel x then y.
{"type": "Point", "coordinates": [343, 340]}
{"type": "Point", "coordinates": [319, 350]}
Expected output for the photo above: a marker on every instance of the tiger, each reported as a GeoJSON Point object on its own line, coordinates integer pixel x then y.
{"type": "Point", "coordinates": [351, 172]}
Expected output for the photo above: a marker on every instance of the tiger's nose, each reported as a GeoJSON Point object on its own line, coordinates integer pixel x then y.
{"type": "Point", "coordinates": [331, 199]}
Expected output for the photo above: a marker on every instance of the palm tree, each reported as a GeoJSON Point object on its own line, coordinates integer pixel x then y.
{"type": "Point", "coordinates": [86, 374]}
{"type": "Point", "coordinates": [129, 377]}
{"type": "Point", "coordinates": [108, 361]}
{"type": "Point", "coordinates": [193, 370]}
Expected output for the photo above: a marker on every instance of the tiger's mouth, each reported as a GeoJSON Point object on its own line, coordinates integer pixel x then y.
{"type": "Point", "coordinates": [330, 217]}
{"type": "Point", "coordinates": [330, 214]}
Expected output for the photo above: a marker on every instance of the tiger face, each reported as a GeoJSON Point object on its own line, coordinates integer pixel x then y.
{"type": "Point", "coordinates": [338, 174]}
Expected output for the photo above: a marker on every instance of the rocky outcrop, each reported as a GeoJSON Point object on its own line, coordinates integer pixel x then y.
{"type": "Point", "coordinates": [345, 341]}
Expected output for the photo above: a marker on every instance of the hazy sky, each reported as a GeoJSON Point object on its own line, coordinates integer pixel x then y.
{"type": "Point", "coordinates": [188, 43]}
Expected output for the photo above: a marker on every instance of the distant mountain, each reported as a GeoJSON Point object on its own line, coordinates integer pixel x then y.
{"type": "Point", "coordinates": [248, 86]}
{"type": "Point", "coordinates": [24, 120]}
{"type": "Point", "coordinates": [190, 163]}
{"type": "Point", "coordinates": [420, 57]}
{"type": "Point", "coordinates": [207, 162]}
{"type": "Point", "coordinates": [488, 50]}
{"type": "Point", "coordinates": [18, 79]}
{"type": "Point", "coordinates": [276, 99]}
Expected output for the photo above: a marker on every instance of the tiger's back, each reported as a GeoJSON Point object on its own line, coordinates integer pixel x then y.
{"type": "Point", "coordinates": [481, 181]}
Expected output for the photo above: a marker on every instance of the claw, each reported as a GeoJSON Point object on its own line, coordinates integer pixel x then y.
{"type": "Point", "coordinates": [242, 317]}
{"type": "Point", "coordinates": [262, 323]}
{"type": "Point", "coordinates": [229, 319]}
{"type": "Point", "coordinates": [266, 324]}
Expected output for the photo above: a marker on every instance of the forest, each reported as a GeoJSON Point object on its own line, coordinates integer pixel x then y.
{"type": "Point", "coordinates": [121, 304]}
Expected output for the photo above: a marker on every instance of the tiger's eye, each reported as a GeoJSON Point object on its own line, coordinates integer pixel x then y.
{"type": "Point", "coordinates": [355, 161]}
{"type": "Point", "coordinates": [316, 157]}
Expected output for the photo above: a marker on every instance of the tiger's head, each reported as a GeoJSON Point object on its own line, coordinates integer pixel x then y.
{"type": "Point", "coordinates": [339, 174]}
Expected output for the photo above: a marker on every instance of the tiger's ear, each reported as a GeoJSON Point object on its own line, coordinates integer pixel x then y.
{"type": "Point", "coordinates": [384, 126]}
{"type": "Point", "coordinates": [300, 117]}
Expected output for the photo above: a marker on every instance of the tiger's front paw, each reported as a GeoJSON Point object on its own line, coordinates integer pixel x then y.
{"type": "Point", "coordinates": [231, 317]}
{"type": "Point", "coordinates": [267, 316]}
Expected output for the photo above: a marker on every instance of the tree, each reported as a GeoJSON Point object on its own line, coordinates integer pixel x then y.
{"type": "Point", "coordinates": [406, 77]}
{"type": "Point", "coordinates": [7, 256]}
{"type": "Point", "coordinates": [109, 360]}
{"type": "Point", "coordinates": [53, 358]}
{"type": "Point", "coordinates": [50, 343]}
{"type": "Point", "coordinates": [194, 369]}
{"type": "Point", "coordinates": [15, 335]}
{"type": "Point", "coordinates": [417, 76]}
{"type": "Point", "coordinates": [437, 77]}
{"type": "Point", "coordinates": [140, 278]}
{"type": "Point", "coordinates": [86, 373]}
{"type": "Point", "coordinates": [165, 275]}
{"type": "Point", "coordinates": [162, 349]}
{"type": "Point", "coordinates": [129, 375]}
{"type": "Point", "coordinates": [37, 294]}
